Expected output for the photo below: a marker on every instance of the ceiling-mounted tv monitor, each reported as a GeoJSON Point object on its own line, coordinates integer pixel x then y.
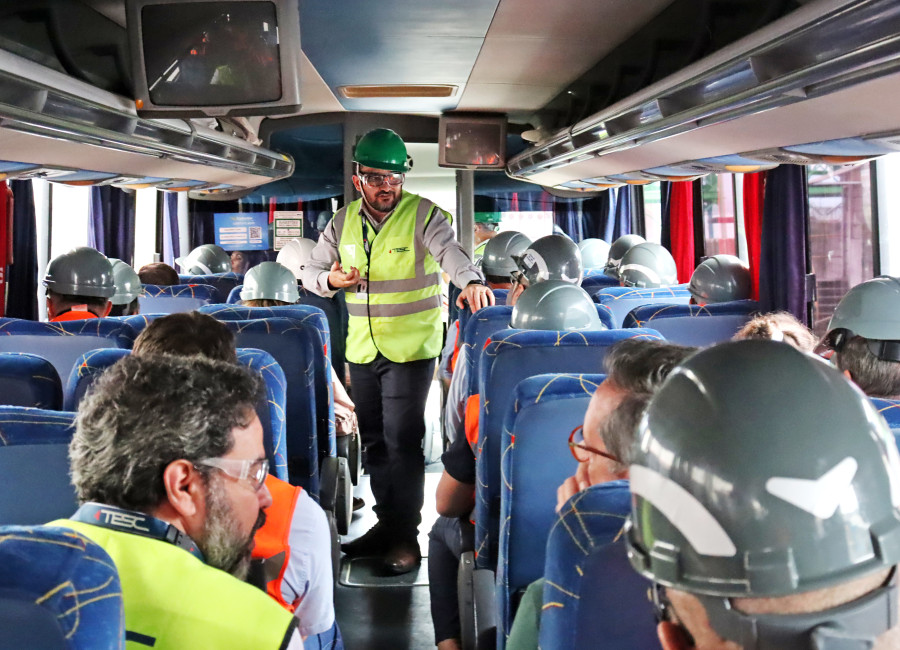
{"type": "Point", "coordinates": [194, 58]}
{"type": "Point", "coordinates": [472, 141]}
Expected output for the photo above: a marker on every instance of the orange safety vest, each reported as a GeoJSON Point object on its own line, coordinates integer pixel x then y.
{"type": "Point", "coordinates": [272, 540]}
{"type": "Point", "coordinates": [455, 350]}
{"type": "Point", "coordinates": [74, 314]}
{"type": "Point", "coordinates": [471, 416]}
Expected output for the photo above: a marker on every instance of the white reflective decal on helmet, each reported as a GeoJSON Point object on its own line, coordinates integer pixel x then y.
{"type": "Point", "coordinates": [531, 259]}
{"type": "Point", "coordinates": [650, 274]}
{"type": "Point", "coordinates": [684, 511]}
{"type": "Point", "coordinates": [819, 497]}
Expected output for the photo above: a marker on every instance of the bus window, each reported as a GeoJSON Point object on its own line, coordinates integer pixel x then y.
{"type": "Point", "coordinates": [69, 208]}
{"type": "Point", "coordinates": [653, 213]}
{"type": "Point", "coordinates": [719, 229]}
{"type": "Point", "coordinates": [840, 233]}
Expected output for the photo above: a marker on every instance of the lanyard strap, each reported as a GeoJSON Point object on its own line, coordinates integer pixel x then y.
{"type": "Point", "coordinates": [136, 523]}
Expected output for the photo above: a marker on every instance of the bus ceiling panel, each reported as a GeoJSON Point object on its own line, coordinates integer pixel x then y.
{"type": "Point", "coordinates": [392, 43]}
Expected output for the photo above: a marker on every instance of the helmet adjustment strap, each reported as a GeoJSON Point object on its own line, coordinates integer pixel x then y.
{"type": "Point", "coordinates": [884, 350]}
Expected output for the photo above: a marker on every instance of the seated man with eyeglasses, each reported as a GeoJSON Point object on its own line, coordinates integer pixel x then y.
{"type": "Point", "coordinates": [168, 462]}
{"type": "Point", "coordinates": [602, 445]}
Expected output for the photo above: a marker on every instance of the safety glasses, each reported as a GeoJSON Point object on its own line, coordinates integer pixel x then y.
{"type": "Point", "coordinates": [252, 471]}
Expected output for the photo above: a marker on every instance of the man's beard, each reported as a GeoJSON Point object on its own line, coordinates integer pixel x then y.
{"type": "Point", "coordinates": [385, 203]}
{"type": "Point", "coordinates": [222, 545]}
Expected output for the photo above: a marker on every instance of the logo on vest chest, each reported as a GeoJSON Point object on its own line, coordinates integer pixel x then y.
{"type": "Point", "coordinates": [399, 249]}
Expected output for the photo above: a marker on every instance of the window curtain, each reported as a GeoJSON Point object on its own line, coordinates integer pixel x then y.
{"type": "Point", "coordinates": [171, 239]}
{"type": "Point", "coordinates": [595, 216]}
{"type": "Point", "coordinates": [625, 207]}
{"type": "Point", "coordinates": [665, 200]}
{"type": "Point", "coordinates": [567, 215]}
{"type": "Point", "coordinates": [754, 185]}
{"type": "Point", "coordinates": [111, 220]}
{"type": "Point", "coordinates": [782, 275]}
{"type": "Point", "coordinates": [201, 217]}
{"type": "Point", "coordinates": [21, 300]}
{"type": "Point", "coordinates": [679, 213]}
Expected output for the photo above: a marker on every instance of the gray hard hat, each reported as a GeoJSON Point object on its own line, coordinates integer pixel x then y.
{"type": "Point", "coordinates": [554, 257]}
{"type": "Point", "coordinates": [617, 251]}
{"type": "Point", "coordinates": [206, 259]}
{"type": "Point", "coordinates": [555, 305]}
{"type": "Point", "coordinates": [785, 479]}
{"type": "Point", "coordinates": [594, 253]}
{"type": "Point", "coordinates": [270, 281]}
{"type": "Point", "coordinates": [128, 284]}
{"type": "Point", "coordinates": [82, 271]}
{"type": "Point", "coordinates": [647, 266]}
{"type": "Point", "coordinates": [296, 254]}
{"type": "Point", "coordinates": [720, 278]}
{"type": "Point", "coordinates": [498, 253]}
{"type": "Point", "coordinates": [870, 310]}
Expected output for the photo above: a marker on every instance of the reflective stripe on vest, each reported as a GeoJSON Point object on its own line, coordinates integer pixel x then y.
{"type": "Point", "coordinates": [173, 600]}
{"type": "Point", "coordinates": [273, 539]}
{"type": "Point", "coordinates": [399, 311]}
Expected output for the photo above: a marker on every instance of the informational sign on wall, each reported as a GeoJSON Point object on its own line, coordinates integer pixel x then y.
{"type": "Point", "coordinates": [242, 231]}
{"type": "Point", "coordinates": [288, 226]}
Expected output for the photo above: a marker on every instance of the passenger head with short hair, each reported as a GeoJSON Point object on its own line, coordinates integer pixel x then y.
{"type": "Point", "coordinates": [778, 326]}
{"type": "Point", "coordinates": [187, 333]}
{"type": "Point", "coordinates": [158, 273]}
{"type": "Point", "coordinates": [79, 285]}
{"type": "Point", "coordinates": [128, 288]}
{"type": "Point", "coordinates": [766, 505]}
{"type": "Point", "coordinates": [151, 436]}
{"type": "Point", "coordinates": [865, 337]}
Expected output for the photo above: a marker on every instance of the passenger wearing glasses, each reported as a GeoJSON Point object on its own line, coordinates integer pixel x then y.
{"type": "Point", "coordinates": [635, 369]}
{"type": "Point", "coordinates": [168, 462]}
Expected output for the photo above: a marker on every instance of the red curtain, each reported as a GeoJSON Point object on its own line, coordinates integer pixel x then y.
{"type": "Point", "coordinates": [754, 187]}
{"type": "Point", "coordinates": [681, 225]}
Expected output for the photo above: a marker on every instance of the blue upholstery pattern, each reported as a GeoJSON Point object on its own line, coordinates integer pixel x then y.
{"type": "Point", "coordinates": [63, 343]}
{"type": "Point", "coordinates": [890, 411]}
{"type": "Point", "coordinates": [58, 590]}
{"type": "Point", "coordinates": [138, 322]}
{"type": "Point", "coordinates": [160, 299]}
{"type": "Point", "coordinates": [271, 409]}
{"type": "Point", "coordinates": [509, 357]}
{"type": "Point", "coordinates": [622, 300]}
{"type": "Point", "coordinates": [693, 324]}
{"type": "Point", "coordinates": [590, 590]}
{"type": "Point", "coordinates": [223, 282]}
{"type": "Point", "coordinates": [34, 464]}
{"type": "Point", "coordinates": [313, 319]}
{"type": "Point", "coordinates": [29, 380]}
{"type": "Point", "coordinates": [294, 347]}
{"type": "Point", "coordinates": [597, 280]}
{"type": "Point", "coordinates": [536, 459]}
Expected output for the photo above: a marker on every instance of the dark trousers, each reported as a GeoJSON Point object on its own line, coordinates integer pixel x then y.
{"type": "Point", "coordinates": [390, 406]}
{"type": "Point", "coordinates": [445, 545]}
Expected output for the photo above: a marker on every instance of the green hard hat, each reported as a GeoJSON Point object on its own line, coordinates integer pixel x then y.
{"type": "Point", "coordinates": [554, 257]}
{"type": "Point", "coordinates": [555, 305]}
{"type": "Point", "coordinates": [594, 253]}
{"type": "Point", "coordinates": [270, 281]}
{"type": "Point", "coordinates": [497, 259]}
{"type": "Point", "coordinates": [82, 271]}
{"type": "Point", "coordinates": [759, 471]}
{"type": "Point", "coordinates": [870, 310]}
{"type": "Point", "coordinates": [648, 266]}
{"type": "Point", "coordinates": [720, 278]}
{"type": "Point", "coordinates": [487, 217]}
{"type": "Point", "coordinates": [128, 284]}
{"type": "Point", "coordinates": [382, 149]}
{"type": "Point", "coordinates": [617, 251]}
{"type": "Point", "coordinates": [207, 259]}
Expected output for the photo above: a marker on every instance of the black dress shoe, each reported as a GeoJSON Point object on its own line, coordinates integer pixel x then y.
{"type": "Point", "coordinates": [358, 503]}
{"type": "Point", "coordinates": [375, 542]}
{"type": "Point", "coordinates": [403, 557]}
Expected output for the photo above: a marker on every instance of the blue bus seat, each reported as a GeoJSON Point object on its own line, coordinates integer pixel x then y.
{"type": "Point", "coordinates": [335, 309]}
{"type": "Point", "coordinates": [597, 280]}
{"type": "Point", "coordinates": [621, 300]}
{"type": "Point", "coordinates": [270, 409]}
{"type": "Point", "coordinates": [693, 324]}
{"type": "Point", "coordinates": [29, 380]}
{"type": "Point", "coordinates": [536, 459]}
{"type": "Point", "coordinates": [58, 591]}
{"type": "Point", "coordinates": [34, 464]}
{"type": "Point", "coordinates": [313, 320]}
{"type": "Point", "coordinates": [138, 322]}
{"type": "Point", "coordinates": [294, 347]}
{"type": "Point", "coordinates": [889, 409]}
{"type": "Point", "coordinates": [591, 593]}
{"type": "Point", "coordinates": [508, 358]}
{"type": "Point", "coordinates": [63, 343]}
{"type": "Point", "coordinates": [161, 299]}
{"type": "Point", "coordinates": [466, 315]}
{"type": "Point", "coordinates": [223, 282]}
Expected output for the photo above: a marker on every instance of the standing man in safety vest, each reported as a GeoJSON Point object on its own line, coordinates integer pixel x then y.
{"type": "Point", "coordinates": [386, 250]}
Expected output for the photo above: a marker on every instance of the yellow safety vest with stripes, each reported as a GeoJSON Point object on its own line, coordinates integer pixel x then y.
{"type": "Point", "coordinates": [396, 309]}
{"type": "Point", "coordinates": [173, 600]}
